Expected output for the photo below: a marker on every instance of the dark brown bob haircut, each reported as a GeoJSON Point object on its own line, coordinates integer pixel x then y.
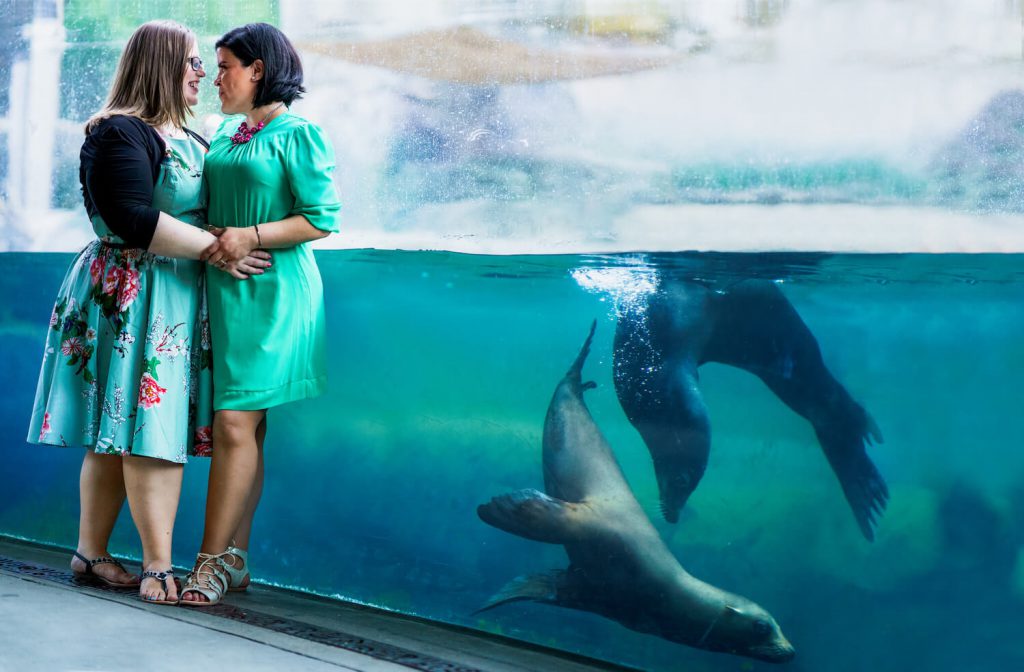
{"type": "Point", "coordinates": [282, 69]}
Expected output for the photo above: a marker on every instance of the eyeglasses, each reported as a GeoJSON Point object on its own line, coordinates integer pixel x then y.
{"type": "Point", "coordinates": [195, 62]}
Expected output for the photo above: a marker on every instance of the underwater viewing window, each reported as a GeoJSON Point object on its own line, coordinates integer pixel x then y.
{"type": "Point", "coordinates": [797, 226]}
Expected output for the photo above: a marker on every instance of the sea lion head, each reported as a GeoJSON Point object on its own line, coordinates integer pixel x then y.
{"type": "Point", "coordinates": [745, 629]}
{"type": "Point", "coordinates": [677, 478]}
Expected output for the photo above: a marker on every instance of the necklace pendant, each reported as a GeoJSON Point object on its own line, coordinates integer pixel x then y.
{"type": "Point", "coordinates": [245, 132]}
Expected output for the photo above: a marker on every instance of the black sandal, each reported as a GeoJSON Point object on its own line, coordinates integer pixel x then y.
{"type": "Point", "coordinates": [163, 578]}
{"type": "Point", "coordinates": [89, 576]}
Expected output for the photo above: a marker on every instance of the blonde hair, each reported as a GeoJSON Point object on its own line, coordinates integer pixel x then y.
{"type": "Point", "coordinates": [148, 81]}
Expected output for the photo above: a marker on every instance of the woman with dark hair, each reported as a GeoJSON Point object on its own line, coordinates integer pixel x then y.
{"type": "Point", "coordinates": [126, 366]}
{"type": "Point", "coordinates": [270, 179]}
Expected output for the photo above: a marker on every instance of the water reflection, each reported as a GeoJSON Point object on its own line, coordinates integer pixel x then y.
{"type": "Point", "coordinates": [513, 126]}
{"type": "Point", "coordinates": [32, 56]}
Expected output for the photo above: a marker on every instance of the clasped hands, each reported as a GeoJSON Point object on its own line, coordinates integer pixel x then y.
{"type": "Point", "coordinates": [235, 253]}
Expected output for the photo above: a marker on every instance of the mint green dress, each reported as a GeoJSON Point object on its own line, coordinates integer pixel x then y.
{"type": "Point", "coordinates": [126, 364]}
{"type": "Point", "coordinates": [269, 340]}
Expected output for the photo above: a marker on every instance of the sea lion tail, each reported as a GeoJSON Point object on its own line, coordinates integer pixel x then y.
{"type": "Point", "coordinates": [536, 588]}
{"type": "Point", "coordinates": [575, 371]}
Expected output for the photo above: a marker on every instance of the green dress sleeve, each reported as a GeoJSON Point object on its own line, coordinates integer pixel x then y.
{"type": "Point", "coordinates": [310, 169]}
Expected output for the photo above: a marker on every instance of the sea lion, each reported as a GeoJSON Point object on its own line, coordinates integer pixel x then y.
{"type": "Point", "coordinates": [618, 565]}
{"type": "Point", "coordinates": [659, 346]}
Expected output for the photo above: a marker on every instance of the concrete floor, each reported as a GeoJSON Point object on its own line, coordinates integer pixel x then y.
{"type": "Point", "coordinates": [49, 623]}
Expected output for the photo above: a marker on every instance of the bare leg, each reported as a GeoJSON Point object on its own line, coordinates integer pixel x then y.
{"type": "Point", "coordinates": [101, 495]}
{"type": "Point", "coordinates": [233, 473]}
{"type": "Point", "coordinates": [244, 531]}
{"type": "Point", "coordinates": [154, 488]}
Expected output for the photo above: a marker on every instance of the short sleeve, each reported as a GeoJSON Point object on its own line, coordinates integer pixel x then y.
{"type": "Point", "coordinates": [310, 170]}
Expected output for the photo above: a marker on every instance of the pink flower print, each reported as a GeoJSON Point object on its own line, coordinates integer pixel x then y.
{"type": "Point", "coordinates": [129, 288]}
{"type": "Point", "coordinates": [72, 346]}
{"type": "Point", "coordinates": [150, 391]}
{"type": "Point", "coordinates": [96, 269]}
{"type": "Point", "coordinates": [90, 334]}
{"type": "Point", "coordinates": [46, 426]}
{"type": "Point", "coordinates": [54, 318]}
{"type": "Point", "coordinates": [203, 443]}
{"type": "Point", "coordinates": [112, 280]}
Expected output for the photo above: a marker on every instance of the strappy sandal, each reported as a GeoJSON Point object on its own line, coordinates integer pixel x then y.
{"type": "Point", "coordinates": [237, 575]}
{"type": "Point", "coordinates": [89, 576]}
{"type": "Point", "coordinates": [164, 578]}
{"type": "Point", "coordinates": [209, 579]}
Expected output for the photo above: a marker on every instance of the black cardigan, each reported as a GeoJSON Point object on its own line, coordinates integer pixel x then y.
{"type": "Point", "coordinates": [120, 161]}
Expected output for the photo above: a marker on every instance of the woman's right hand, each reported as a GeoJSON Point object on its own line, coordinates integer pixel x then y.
{"type": "Point", "coordinates": [232, 244]}
{"type": "Point", "coordinates": [253, 263]}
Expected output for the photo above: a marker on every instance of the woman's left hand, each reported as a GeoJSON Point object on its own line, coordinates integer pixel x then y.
{"type": "Point", "coordinates": [233, 244]}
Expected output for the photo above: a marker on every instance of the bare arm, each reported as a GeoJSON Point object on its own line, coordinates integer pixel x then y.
{"type": "Point", "coordinates": [174, 238]}
{"type": "Point", "coordinates": [235, 243]}
{"type": "Point", "coordinates": [289, 232]}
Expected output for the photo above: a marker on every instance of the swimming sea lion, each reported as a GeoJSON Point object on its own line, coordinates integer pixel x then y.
{"type": "Point", "coordinates": [618, 565]}
{"type": "Point", "coordinates": [750, 325]}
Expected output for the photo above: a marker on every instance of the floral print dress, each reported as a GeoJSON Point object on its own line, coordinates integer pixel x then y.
{"type": "Point", "coordinates": [126, 366]}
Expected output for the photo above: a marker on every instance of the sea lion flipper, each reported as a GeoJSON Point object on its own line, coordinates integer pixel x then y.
{"type": "Point", "coordinates": [537, 588]}
{"type": "Point", "coordinates": [533, 515]}
{"type": "Point", "coordinates": [862, 484]}
{"type": "Point", "coordinates": [760, 331]}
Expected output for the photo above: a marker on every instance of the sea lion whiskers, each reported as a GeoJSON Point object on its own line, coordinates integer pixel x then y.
{"type": "Point", "coordinates": [711, 626]}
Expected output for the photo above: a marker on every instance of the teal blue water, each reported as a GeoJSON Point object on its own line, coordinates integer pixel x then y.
{"type": "Point", "coordinates": [441, 370]}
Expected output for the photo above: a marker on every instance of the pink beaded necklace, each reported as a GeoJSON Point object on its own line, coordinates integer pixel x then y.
{"type": "Point", "coordinates": [245, 132]}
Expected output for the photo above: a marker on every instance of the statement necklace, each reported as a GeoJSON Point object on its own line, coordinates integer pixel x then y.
{"type": "Point", "coordinates": [245, 132]}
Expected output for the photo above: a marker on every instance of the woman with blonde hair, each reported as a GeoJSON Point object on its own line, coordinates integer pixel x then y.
{"type": "Point", "coordinates": [126, 366]}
